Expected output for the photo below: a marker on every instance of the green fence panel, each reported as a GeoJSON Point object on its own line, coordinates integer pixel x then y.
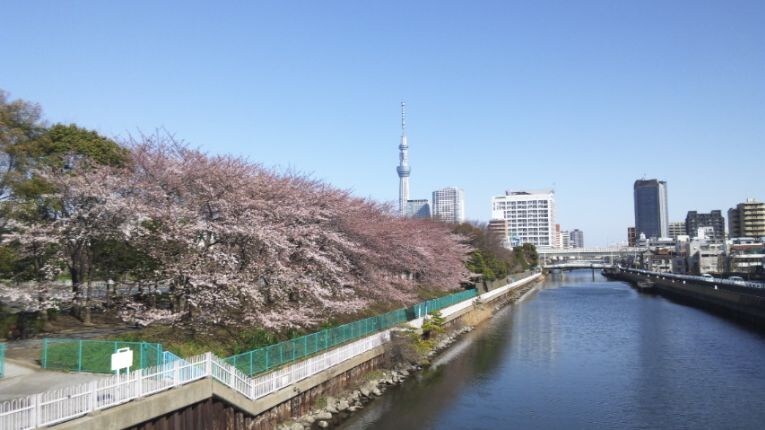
{"type": "Point", "coordinates": [83, 355]}
{"type": "Point", "coordinates": [262, 359]}
{"type": "Point", "coordinates": [2, 360]}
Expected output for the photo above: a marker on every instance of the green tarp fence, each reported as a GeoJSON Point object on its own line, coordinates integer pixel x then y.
{"type": "Point", "coordinates": [82, 355]}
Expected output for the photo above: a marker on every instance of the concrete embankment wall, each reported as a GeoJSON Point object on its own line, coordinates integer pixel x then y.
{"type": "Point", "coordinates": [740, 303]}
{"type": "Point", "coordinates": [209, 404]}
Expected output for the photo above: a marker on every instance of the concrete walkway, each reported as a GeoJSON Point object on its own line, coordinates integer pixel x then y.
{"type": "Point", "coordinates": [22, 379]}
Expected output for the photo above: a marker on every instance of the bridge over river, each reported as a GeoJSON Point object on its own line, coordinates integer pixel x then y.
{"type": "Point", "coordinates": [584, 257]}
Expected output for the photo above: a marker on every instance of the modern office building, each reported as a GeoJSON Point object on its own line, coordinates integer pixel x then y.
{"type": "Point", "coordinates": [651, 214]}
{"type": "Point", "coordinates": [529, 217]}
{"type": "Point", "coordinates": [419, 208]}
{"type": "Point", "coordinates": [714, 219]}
{"type": "Point", "coordinates": [403, 169]}
{"type": "Point", "coordinates": [631, 236]}
{"type": "Point", "coordinates": [677, 228]}
{"type": "Point", "coordinates": [747, 219]}
{"type": "Point", "coordinates": [449, 205]}
{"type": "Point", "coordinates": [576, 238]}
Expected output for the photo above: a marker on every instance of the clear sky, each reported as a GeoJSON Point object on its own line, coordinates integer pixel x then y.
{"type": "Point", "coordinates": [582, 96]}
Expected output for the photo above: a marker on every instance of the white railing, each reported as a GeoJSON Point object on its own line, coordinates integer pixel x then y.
{"type": "Point", "coordinates": [70, 402]}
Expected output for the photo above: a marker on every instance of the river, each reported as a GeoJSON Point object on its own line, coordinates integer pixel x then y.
{"type": "Point", "coordinates": [584, 353]}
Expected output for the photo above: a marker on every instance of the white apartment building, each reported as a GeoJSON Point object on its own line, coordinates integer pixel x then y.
{"type": "Point", "coordinates": [449, 205]}
{"type": "Point", "coordinates": [529, 217]}
{"type": "Point", "coordinates": [564, 239]}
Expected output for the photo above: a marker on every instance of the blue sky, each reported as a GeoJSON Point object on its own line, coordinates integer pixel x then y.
{"type": "Point", "coordinates": [584, 97]}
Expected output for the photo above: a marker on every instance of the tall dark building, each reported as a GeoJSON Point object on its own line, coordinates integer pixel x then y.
{"type": "Point", "coordinates": [651, 215]}
{"type": "Point", "coordinates": [714, 219]}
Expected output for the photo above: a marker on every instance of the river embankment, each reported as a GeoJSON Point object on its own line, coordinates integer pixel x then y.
{"type": "Point", "coordinates": [407, 355]}
{"type": "Point", "coordinates": [739, 302]}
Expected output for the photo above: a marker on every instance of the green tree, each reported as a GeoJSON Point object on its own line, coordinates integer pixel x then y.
{"type": "Point", "coordinates": [489, 258]}
{"type": "Point", "coordinates": [68, 147]}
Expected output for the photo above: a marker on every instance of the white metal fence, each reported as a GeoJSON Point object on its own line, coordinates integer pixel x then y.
{"type": "Point", "coordinates": [70, 402]}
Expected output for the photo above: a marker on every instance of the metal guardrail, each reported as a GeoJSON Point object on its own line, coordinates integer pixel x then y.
{"type": "Point", "coordinates": [707, 279]}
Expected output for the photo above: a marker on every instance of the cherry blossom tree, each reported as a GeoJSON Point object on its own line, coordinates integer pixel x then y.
{"type": "Point", "coordinates": [237, 244]}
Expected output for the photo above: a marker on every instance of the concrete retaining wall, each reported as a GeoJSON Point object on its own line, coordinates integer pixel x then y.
{"type": "Point", "coordinates": [743, 304]}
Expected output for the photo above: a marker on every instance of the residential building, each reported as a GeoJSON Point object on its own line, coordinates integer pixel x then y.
{"type": "Point", "coordinates": [418, 208]}
{"type": "Point", "coordinates": [676, 228]}
{"type": "Point", "coordinates": [565, 239]}
{"type": "Point", "coordinates": [631, 236]}
{"type": "Point", "coordinates": [529, 217]}
{"type": "Point", "coordinates": [705, 257]}
{"type": "Point", "coordinates": [745, 256]}
{"type": "Point", "coordinates": [449, 205]}
{"type": "Point", "coordinates": [651, 214]}
{"type": "Point", "coordinates": [747, 219]}
{"type": "Point", "coordinates": [714, 219]}
{"type": "Point", "coordinates": [499, 228]}
{"type": "Point", "coordinates": [576, 238]}
{"type": "Point", "coordinates": [557, 243]}
{"type": "Point", "coordinates": [658, 259]}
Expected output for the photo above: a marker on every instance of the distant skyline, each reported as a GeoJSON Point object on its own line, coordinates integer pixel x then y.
{"type": "Point", "coordinates": [500, 95]}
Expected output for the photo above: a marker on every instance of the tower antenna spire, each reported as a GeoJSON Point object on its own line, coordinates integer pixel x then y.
{"type": "Point", "coordinates": [403, 168]}
{"type": "Point", "coordinates": [403, 116]}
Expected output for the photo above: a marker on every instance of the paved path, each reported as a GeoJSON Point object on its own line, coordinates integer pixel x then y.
{"type": "Point", "coordinates": [22, 379]}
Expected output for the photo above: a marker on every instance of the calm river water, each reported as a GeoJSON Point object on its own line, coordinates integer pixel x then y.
{"type": "Point", "coordinates": [584, 354]}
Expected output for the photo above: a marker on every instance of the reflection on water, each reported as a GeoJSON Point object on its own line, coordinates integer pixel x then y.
{"type": "Point", "coordinates": [584, 353]}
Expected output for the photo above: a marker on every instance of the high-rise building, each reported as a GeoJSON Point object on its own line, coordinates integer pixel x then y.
{"type": "Point", "coordinates": [418, 208]}
{"type": "Point", "coordinates": [677, 228]}
{"type": "Point", "coordinates": [529, 217]}
{"type": "Point", "coordinates": [651, 214]}
{"type": "Point", "coordinates": [747, 219]}
{"type": "Point", "coordinates": [576, 238]}
{"type": "Point", "coordinates": [631, 236]}
{"type": "Point", "coordinates": [403, 165]}
{"type": "Point", "coordinates": [449, 205]}
{"type": "Point", "coordinates": [714, 219]}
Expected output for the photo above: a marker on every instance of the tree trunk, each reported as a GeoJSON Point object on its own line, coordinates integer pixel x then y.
{"type": "Point", "coordinates": [76, 305]}
{"type": "Point", "coordinates": [153, 299]}
{"type": "Point", "coordinates": [86, 320]}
